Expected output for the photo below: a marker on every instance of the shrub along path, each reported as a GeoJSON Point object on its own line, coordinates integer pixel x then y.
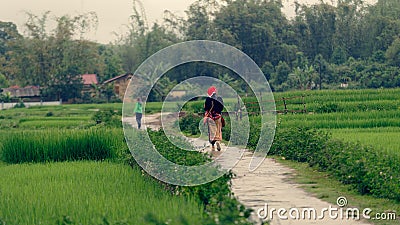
{"type": "Point", "coordinates": [270, 184]}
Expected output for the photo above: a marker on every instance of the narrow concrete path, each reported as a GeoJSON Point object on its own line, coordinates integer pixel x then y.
{"type": "Point", "coordinates": [151, 121]}
{"type": "Point", "coordinates": [270, 184]}
{"type": "Point", "coordinates": [270, 189]}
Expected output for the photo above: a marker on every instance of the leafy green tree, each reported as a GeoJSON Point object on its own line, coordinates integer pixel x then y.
{"type": "Point", "coordinates": [112, 62]}
{"type": "Point", "coordinates": [254, 26]}
{"type": "Point", "coordinates": [268, 70]}
{"type": "Point", "coordinates": [9, 41]}
{"type": "Point", "coordinates": [3, 81]}
{"type": "Point", "coordinates": [380, 26]}
{"type": "Point", "coordinates": [393, 53]}
{"type": "Point", "coordinates": [321, 66]}
{"type": "Point", "coordinates": [301, 61]}
{"type": "Point", "coordinates": [31, 54]}
{"type": "Point", "coordinates": [281, 74]}
{"type": "Point", "coordinates": [378, 56]}
{"type": "Point", "coordinates": [339, 56]}
{"type": "Point", "coordinates": [349, 13]}
{"type": "Point", "coordinates": [315, 27]}
{"type": "Point", "coordinates": [141, 43]}
{"type": "Point", "coordinates": [55, 60]}
{"type": "Point", "coordinates": [71, 58]}
{"type": "Point", "coordinates": [288, 52]}
{"type": "Point", "coordinates": [199, 23]}
{"type": "Point", "coordinates": [236, 83]}
{"type": "Point", "coordinates": [107, 91]}
{"type": "Point", "coordinates": [8, 33]}
{"type": "Point", "coordinates": [302, 78]}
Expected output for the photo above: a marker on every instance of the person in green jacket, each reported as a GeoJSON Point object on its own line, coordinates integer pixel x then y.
{"type": "Point", "coordinates": [138, 112]}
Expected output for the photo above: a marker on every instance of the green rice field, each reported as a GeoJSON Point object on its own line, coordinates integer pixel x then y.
{"type": "Point", "coordinates": [59, 166]}
{"type": "Point", "coordinates": [386, 139]}
{"type": "Point", "coordinates": [69, 164]}
{"type": "Point", "coordinates": [87, 193]}
{"type": "Point", "coordinates": [371, 117]}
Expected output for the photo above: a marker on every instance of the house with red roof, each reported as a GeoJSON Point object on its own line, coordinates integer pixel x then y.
{"type": "Point", "coordinates": [89, 79]}
{"type": "Point", "coordinates": [90, 82]}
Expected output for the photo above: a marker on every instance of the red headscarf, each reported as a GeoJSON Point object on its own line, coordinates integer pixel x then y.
{"type": "Point", "coordinates": [211, 90]}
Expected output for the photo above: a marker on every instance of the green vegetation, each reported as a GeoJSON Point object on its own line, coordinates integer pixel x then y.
{"type": "Point", "coordinates": [215, 196]}
{"type": "Point", "coordinates": [78, 174]}
{"type": "Point", "coordinates": [371, 119]}
{"type": "Point", "coordinates": [370, 166]}
{"type": "Point", "coordinates": [324, 186]}
{"type": "Point", "coordinates": [365, 125]}
{"type": "Point", "coordinates": [61, 145]}
{"type": "Point", "coordinates": [350, 43]}
{"type": "Point", "coordinates": [369, 171]}
{"type": "Point", "coordinates": [385, 139]}
{"type": "Point", "coordinates": [327, 45]}
{"type": "Point", "coordinates": [89, 193]}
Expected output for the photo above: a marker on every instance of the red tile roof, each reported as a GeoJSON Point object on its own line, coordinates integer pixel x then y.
{"type": "Point", "coordinates": [89, 79]}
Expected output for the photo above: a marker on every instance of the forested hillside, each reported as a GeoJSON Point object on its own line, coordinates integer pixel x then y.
{"type": "Point", "coordinates": [323, 46]}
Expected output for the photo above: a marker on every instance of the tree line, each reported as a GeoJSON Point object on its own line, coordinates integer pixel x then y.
{"type": "Point", "coordinates": [324, 45]}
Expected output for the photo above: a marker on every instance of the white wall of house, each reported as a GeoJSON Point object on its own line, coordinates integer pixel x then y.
{"type": "Point", "coordinates": [28, 104]}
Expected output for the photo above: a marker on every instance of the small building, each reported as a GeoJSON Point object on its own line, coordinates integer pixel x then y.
{"type": "Point", "coordinates": [120, 83]}
{"type": "Point", "coordinates": [88, 81]}
{"type": "Point", "coordinates": [28, 93]}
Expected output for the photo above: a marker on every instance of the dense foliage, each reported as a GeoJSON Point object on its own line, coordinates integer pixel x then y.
{"type": "Point", "coordinates": [322, 46]}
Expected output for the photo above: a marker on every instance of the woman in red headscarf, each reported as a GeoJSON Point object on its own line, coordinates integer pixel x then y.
{"type": "Point", "coordinates": [213, 108]}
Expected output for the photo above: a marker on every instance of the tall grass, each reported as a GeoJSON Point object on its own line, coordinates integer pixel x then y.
{"type": "Point", "coordinates": [344, 95]}
{"type": "Point", "coordinates": [385, 139]}
{"type": "Point", "coordinates": [46, 124]}
{"type": "Point", "coordinates": [61, 145]}
{"type": "Point", "coordinates": [88, 193]}
{"type": "Point", "coordinates": [326, 101]}
{"type": "Point", "coordinates": [339, 106]}
{"type": "Point", "coordinates": [343, 120]}
{"type": "Point", "coordinates": [51, 118]}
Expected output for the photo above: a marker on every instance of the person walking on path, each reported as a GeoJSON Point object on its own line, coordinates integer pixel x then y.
{"type": "Point", "coordinates": [138, 111]}
{"type": "Point", "coordinates": [213, 107]}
